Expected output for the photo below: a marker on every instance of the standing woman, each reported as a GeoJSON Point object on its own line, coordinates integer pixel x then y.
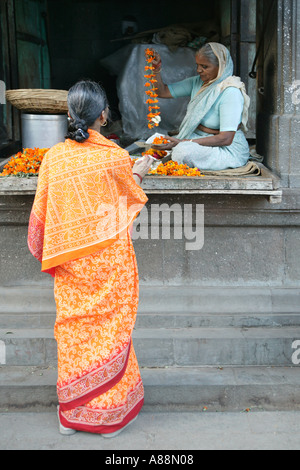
{"type": "Point", "coordinates": [211, 135]}
{"type": "Point", "coordinates": [87, 198]}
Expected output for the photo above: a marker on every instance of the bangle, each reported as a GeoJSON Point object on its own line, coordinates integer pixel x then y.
{"type": "Point", "coordinates": [141, 179]}
{"type": "Point", "coordinates": [157, 69]}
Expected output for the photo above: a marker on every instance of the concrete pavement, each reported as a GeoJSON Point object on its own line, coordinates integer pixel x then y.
{"type": "Point", "coordinates": [174, 431]}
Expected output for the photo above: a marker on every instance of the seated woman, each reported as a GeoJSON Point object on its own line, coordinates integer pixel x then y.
{"type": "Point", "coordinates": [211, 135]}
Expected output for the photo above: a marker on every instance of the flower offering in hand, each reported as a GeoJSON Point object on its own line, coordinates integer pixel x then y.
{"type": "Point", "coordinates": [154, 114]}
{"type": "Point", "coordinates": [158, 154]}
{"type": "Point", "coordinates": [160, 140]}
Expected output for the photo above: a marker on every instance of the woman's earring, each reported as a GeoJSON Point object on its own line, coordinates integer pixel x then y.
{"type": "Point", "coordinates": [104, 124]}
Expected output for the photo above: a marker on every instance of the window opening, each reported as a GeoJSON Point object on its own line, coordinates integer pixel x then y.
{"type": "Point", "coordinates": [66, 55]}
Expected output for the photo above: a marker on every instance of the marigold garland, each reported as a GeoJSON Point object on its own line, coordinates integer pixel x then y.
{"type": "Point", "coordinates": [153, 115]}
{"type": "Point", "coordinates": [26, 163]}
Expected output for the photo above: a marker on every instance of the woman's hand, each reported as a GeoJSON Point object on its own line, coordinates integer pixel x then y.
{"type": "Point", "coordinates": [172, 143]}
{"type": "Point", "coordinates": [142, 166]}
{"type": "Point", "coordinates": [157, 61]}
{"type": "Point", "coordinates": [162, 89]}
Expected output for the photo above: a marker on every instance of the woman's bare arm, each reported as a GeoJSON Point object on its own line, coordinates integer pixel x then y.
{"type": "Point", "coordinates": [162, 89]}
{"type": "Point", "coordinates": [223, 139]}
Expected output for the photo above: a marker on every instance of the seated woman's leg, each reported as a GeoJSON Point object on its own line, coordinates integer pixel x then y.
{"type": "Point", "coordinates": [205, 158]}
{"type": "Point", "coordinates": [191, 154]}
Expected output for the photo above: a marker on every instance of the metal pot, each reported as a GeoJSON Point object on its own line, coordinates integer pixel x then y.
{"type": "Point", "coordinates": [43, 130]}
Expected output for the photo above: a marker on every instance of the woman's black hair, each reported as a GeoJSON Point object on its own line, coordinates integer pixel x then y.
{"type": "Point", "coordinates": [86, 101]}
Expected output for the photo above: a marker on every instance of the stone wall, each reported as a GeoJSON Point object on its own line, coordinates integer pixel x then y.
{"type": "Point", "coordinates": [247, 242]}
{"type": "Point", "coordinates": [278, 120]}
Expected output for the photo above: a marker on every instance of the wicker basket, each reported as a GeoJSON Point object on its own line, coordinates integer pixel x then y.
{"type": "Point", "coordinates": [38, 101]}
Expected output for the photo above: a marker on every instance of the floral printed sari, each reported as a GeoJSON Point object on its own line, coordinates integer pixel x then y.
{"type": "Point", "coordinates": [85, 202]}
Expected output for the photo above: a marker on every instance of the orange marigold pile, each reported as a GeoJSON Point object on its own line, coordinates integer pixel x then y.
{"type": "Point", "coordinates": [26, 163]}
{"type": "Point", "coordinates": [172, 168]}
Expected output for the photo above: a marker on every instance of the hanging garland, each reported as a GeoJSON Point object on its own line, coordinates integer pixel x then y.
{"type": "Point", "coordinates": [153, 114]}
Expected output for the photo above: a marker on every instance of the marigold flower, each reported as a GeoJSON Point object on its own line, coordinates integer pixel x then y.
{"type": "Point", "coordinates": [160, 140]}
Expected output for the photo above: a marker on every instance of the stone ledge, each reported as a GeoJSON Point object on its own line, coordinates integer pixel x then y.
{"type": "Point", "coordinates": [14, 186]}
{"type": "Point", "coordinates": [265, 185]}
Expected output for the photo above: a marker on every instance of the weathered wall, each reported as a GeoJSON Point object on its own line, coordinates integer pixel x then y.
{"type": "Point", "coordinates": [247, 242]}
{"type": "Point", "coordinates": [278, 121]}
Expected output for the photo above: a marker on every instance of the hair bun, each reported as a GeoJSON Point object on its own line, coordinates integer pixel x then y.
{"type": "Point", "coordinates": [81, 135]}
{"type": "Point", "coordinates": [80, 124]}
{"type": "Point", "coordinates": [77, 130]}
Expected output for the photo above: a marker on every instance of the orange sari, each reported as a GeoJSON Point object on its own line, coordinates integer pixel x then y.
{"type": "Point", "coordinates": [85, 202]}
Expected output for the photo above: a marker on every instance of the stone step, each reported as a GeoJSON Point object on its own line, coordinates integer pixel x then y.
{"type": "Point", "coordinates": [159, 347]}
{"type": "Point", "coordinates": [168, 306]}
{"type": "Point", "coordinates": [170, 388]}
{"type": "Point", "coordinates": [170, 299]}
{"type": "Point", "coordinates": [165, 320]}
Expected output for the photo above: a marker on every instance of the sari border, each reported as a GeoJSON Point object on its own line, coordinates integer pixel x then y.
{"type": "Point", "coordinates": [129, 411]}
{"type": "Point", "coordinates": [35, 236]}
{"type": "Point", "coordinates": [91, 382]}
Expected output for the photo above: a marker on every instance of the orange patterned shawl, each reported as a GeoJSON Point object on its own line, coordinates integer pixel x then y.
{"type": "Point", "coordinates": [86, 198]}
